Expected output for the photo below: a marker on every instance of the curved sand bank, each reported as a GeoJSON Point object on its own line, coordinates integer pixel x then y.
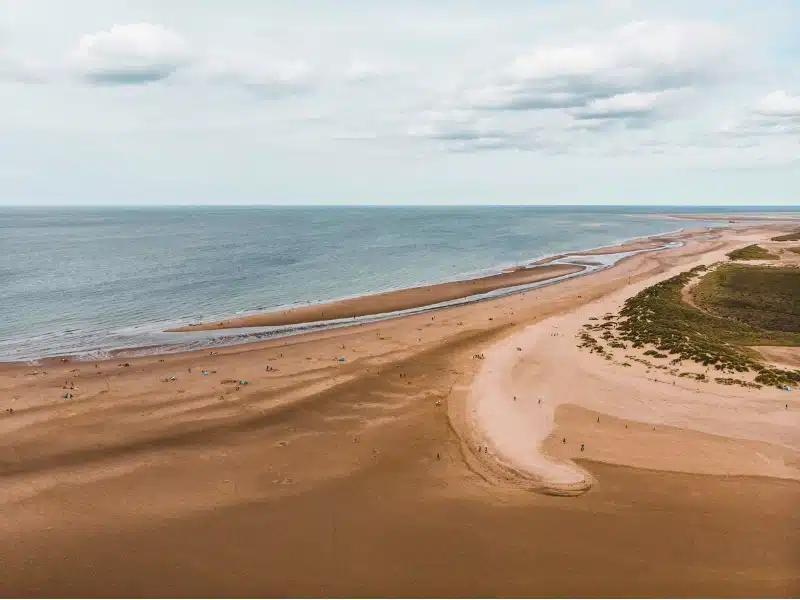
{"type": "Point", "coordinates": [510, 418]}
{"type": "Point", "coordinates": [726, 431]}
{"type": "Point", "coordinates": [540, 271]}
{"type": "Point", "coordinates": [393, 301]}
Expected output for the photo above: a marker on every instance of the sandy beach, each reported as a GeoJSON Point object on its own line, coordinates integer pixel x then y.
{"type": "Point", "coordinates": [414, 467]}
{"type": "Point", "coordinates": [392, 301]}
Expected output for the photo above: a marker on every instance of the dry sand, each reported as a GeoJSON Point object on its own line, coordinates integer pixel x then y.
{"type": "Point", "coordinates": [528, 375]}
{"type": "Point", "coordinates": [781, 356]}
{"type": "Point", "coordinates": [321, 478]}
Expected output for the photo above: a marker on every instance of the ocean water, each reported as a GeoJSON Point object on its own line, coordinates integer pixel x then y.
{"type": "Point", "coordinates": [79, 280]}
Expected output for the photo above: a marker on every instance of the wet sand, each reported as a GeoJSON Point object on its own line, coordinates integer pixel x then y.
{"type": "Point", "coordinates": [417, 297]}
{"type": "Point", "coordinates": [362, 477]}
{"type": "Point", "coordinates": [641, 535]}
{"type": "Point", "coordinates": [387, 302]}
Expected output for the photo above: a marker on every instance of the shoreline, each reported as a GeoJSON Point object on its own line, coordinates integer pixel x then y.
{"type": "Point", "coordinates": [225, 337]}
{"type": "Point", "coordinates": [280, 315]}
{"type": "Point", "coordinates": [439, 294]}
{"type": "Point", "coordinates": [391, 302]}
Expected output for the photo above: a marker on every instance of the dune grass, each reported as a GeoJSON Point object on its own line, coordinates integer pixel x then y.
{"type": "Point", "coordinates": [658, 317]}
{"type": "Point", "coordinates": [766, 298]}
{"type": "Point", "coordinates": [788, 237]}
{"type": "Point", "coordinates": [753, 252]}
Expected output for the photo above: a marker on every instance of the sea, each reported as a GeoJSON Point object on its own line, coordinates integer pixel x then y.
{"type": "Point", "coordinates": [87, 281]}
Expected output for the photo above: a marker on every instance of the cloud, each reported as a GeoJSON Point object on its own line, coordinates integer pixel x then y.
{"type": "Point", "coordinates": [631, 105]}
{"type": "Point", "coordinates": [775, 115]}
{"type": "Point", "coordinates": [255, 73]}
{"type": "Point", "coordinates": [630, 66]}
{"type": "Point", "coordinates": [631, 77]}
{"type": "Point", "coordinates": [470, 131]}
{"type": "Point", "coordinates": [138, 53]}
{"type": "Point", "coordinates": [779, 104]}
{"type": "Point", "coordinates": [145, 53]}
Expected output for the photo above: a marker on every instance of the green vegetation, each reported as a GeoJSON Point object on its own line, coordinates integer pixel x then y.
{"type": "Point", "coordinates": [763, 297]}
{"type": "Point", "coordinates": [720, 336]}
{"type": "Point", "coordinates": [732, 381]}
{"type": "Point", "coordinates": [753, 252]}
{"type": "Point", "coordinates": [697, 376]}
{"type": "Point", "coordinates": [789, 237]}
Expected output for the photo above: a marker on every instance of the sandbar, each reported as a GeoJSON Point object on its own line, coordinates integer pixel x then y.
{"type": "Point", "coordinates": [388, 302]}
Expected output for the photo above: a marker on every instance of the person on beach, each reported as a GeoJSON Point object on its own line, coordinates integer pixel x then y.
{"type": "Point", "coordinates": [581, 447]}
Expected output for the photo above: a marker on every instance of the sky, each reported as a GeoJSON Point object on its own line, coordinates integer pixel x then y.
{"type": "Point", "coordinates": [163, 102]}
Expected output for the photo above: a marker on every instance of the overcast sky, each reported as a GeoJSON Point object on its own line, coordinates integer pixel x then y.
{"type": "Point", "coordinates": [404, 102]}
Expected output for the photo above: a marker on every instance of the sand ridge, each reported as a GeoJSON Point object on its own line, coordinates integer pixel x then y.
{"type": "Point", "coordinates": [393, 301]}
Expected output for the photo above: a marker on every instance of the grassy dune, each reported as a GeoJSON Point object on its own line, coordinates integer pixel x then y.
{"type": "Point", "coordinates": [753, 252]}
{"type": "Point", "coordinates": [789, 237]}
{"type": "Point", "coordinates": [765, 298]}
{"type": "Point", "coordinates": [741, 306]}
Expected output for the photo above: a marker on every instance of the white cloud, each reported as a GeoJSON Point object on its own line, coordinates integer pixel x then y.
{"type": "Point", "coordinates": [627, 105]}
{"type": "Point", "coordinates": [775, 116]}
{"type": "Point", "coordinates": [146, 53]}
{"type": "Point", "coordinates": [131, 54]}
{"type": "Point", "coordinates": [779, 104]}
{"type": "Point", "coordinates": [631, 77]}
{"type": "Point", "coordinates": [638, 58]}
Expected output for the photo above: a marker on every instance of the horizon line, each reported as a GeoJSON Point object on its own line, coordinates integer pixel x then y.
{"type": "Point", "coordinates": [412, 205]}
